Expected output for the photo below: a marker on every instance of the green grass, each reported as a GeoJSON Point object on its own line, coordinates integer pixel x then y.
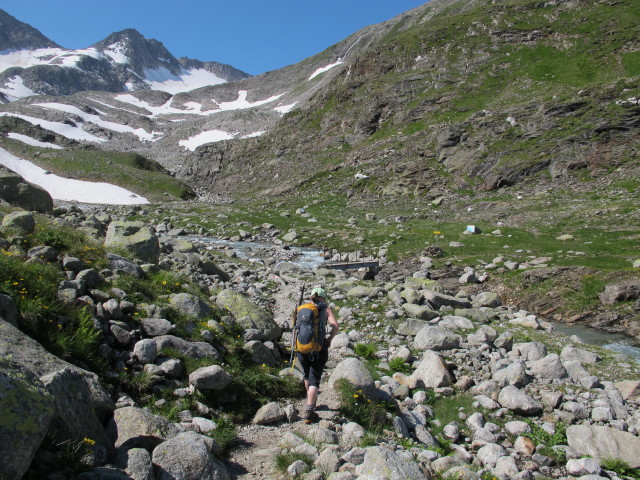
{"type": "Point", "coordinates": [620, 467]}
{"type": "Point", "coordinates": [549, 440]}
{"type": "Point", "coordinates": [283, 460]}
{"type": "Point", "coordinates": [367, 412]}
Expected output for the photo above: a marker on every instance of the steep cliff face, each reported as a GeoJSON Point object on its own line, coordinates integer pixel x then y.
{"type": "Point", "coordinates": [457, 95]}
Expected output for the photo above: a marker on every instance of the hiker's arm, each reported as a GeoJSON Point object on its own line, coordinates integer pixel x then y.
{"type": "Point", "coordinates": [334, 324]}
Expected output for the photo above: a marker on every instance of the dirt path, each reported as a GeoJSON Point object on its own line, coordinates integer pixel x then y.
{"type": "Point", "coordinates": [253, 458]}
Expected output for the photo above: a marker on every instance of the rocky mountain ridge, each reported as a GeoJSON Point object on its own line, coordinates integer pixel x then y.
{"type": "Point", "coordinates": [124, 61]}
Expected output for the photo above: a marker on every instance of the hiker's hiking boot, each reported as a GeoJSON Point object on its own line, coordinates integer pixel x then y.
{"type": "Point", "coordinates": [309, 415]}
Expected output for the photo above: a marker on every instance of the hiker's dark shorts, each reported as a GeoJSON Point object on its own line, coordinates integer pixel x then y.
{"type": "Point", "coordinates": [313, 368]}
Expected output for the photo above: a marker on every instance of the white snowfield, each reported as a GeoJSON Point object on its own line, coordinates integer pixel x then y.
{"type": "Point", "coordinates": [165, 81]}
{"type": "Point", "coordinates": [68, 189]}
{"type": "Point", "coordinates": [208, 136]}
{"type": "Point", "coordinates": [32, 141]}
{"type": "Point", "coordinates": [141, 133]}
{"type": "Point", "coordinates": [69, 131]}
{"type": "Point", "coordinates": [15, 89]}
{"type": "Point", "coordinates": [195, 108]}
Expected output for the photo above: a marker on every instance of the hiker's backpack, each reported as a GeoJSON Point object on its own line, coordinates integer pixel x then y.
{"type": "Point", "coordinates": [309, 328]}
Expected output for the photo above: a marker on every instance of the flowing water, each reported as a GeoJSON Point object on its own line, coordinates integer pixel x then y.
{"type": "Point", "coordinates": [616, 342]}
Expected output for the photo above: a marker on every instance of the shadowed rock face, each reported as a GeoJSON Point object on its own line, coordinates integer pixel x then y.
{"type": "Point", "coordinates": [16, 191]}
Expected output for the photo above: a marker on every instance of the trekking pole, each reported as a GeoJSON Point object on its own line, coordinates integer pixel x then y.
{"type": "Point", "coordinates": [294, 333]}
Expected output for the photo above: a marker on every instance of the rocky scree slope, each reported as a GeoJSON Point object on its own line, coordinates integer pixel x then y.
{"type": "Point", "coordinates": [528, 402]}
{"type": "Point", "coordinates": [457, 95]}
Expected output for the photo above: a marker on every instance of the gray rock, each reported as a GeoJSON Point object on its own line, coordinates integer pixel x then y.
{"type": "Point", "coordinates": [116, 262]}
{"type": "Point", "coordinates": [91, 278]}
{"type": "Point", "coordinates": [210, 378]}
{"type": "Point", "coordinates": [269, 414]}
{"type": "Point", "coordinates": [411, 327]}
{"type": "Point", "coordinates": [190, 305]}
{"type": "Point", "coordinates": [261, 354]}
{"type": "Point", "coordinates": [628, 289]}
{"type": "Point", "coordinates": [490, 453]}
{"type": "Point", "coordinates": [575, 370]}
{"type": "Point", "coordinates": [484, 335]}
{"type": "Point", "coordinates": [145, 351]}
{"type": "Point", "coordinates": [549, 367]}
{"type": "Point", "coordinates": [506, 468]}
{"type": "Point", "coordinates": [134, 237]}
{"type": "Point", "coordinates": [188, 456]}
{"type": "Point", "coordinates": [436, 339]}
{"type": "Point", "coordinates": [136, 462]}
{"type": "Point", "coordinates": [580, 355]}
{"type": "Point", "coordinates": [327, 462]}
{"type": "Point", "coordinates": [16, 191]}
{"type": "Point", "coordinates": [432, 372]}
{"type": "Point", "coordinates": [629, 389]}
{"type": "Point", "coordinates": [425, 437]}
{"type": "Point", "coordinates": [583, 466]}
{"type": "Point", "coordinates": [319, 435]}
{"type": "Point", "coordinates": [184, 347]}
{"type": "Point", "coordinates": [487, 299]}
{"type": "Point", "coordinates": [155, 327]}
{"type": "Point", "coordinates": [74, 416]}
{"type": "Point", "coordinates": [26, 410]}
{"type": "Point", "coordinates": [137, 427]}
{"type": "Point", "coordinates": [394, 465]}
{"type": "Point", "coordinates": [437, 300]}
{"type": "Point", "coordinates": [8, 310]}
{"type": "Point", "coordinates": [517, 428]}
{"type": "Point", "coordinates": [519, 402]}
{"type": "Point", "coordinates": [602, 442]}
{"type": "Point", "coordinates": [504, 340]}
{"type": "Point", "coordinates": [530, 351]}
{"type": "Point", "coordinates": [456, 322]}
{"type": "Point", "coordinates": [32, 357]}
{"type": "Point", "coordinates": [421, 312]}
{"type": "Point", "coordinates": [356, 373]}
{"type": "Point", "coordinates": [18, 223]}
{"type": "Point", "coordinates": [171, 367]}
{"type": "Point", "coordinates": [248, 314]}
{"type": "Point", "coordinates": [514, 374]}
{"type": "Point", "coordinates": [44, 253]}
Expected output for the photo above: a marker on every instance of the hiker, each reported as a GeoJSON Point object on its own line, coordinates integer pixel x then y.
{"type": "Point", "coordinates": [313, 363]}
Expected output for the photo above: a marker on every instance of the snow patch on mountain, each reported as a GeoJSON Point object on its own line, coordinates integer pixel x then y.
{"type": "Point", "coordinates": [15, 89]}
{"type": "Point", "coordinates": [326, 68]}
{"type": "Point", "coordinates": [195, 108]}
{"type": "Point", "coordinates": [208, 136]}
{"type": "Point", "coordinates": [72, 132]}
{"type": "Point", "coordinates": [285, 108]}
{"type": "Point", "coordinates": [141, 133]}
{"type": "Point", "coordinates": [69, 189]}
{"type": "Point", "coordinates": [254, 134]}
{"type": "Point", "coordinates": [165, 81]}
{"type": "Point", "coordinates": [117, 53]}
{"type": "Point", "coordinates": [32, 141]}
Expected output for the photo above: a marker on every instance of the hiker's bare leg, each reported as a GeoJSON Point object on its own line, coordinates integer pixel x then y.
{"type": "Point", "coordinates": [312, 395]}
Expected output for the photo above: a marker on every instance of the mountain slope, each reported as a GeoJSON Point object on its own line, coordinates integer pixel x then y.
{"type": "Point", "coordinates": [457, 95]}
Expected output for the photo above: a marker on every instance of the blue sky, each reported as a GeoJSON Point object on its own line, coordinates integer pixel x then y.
{"type": "Point", "coordinates": [253, 35]}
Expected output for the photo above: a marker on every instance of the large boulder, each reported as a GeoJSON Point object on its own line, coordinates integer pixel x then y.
{"type": "Point", "coordinates": [74, 418]}
{"type": "Point", "coordinates": [437, 300]}
{"type": "Point", "coordinates": [436, 338]}
{"type": "Point", "coordinates": [518, 401]}
{"type": "Point", "coordinates": [432, 372]}
{"type": "Point", "coordinates": [138, 427]}
{"type": "Point", "coordinates": [134, 237]}
{"type": "Point", "coordinates": [382, 462]}
{"type": "Point", "coordinates": [19, 223]}
{"type": "Point", "coordinates": [210, 378]}
{"type": "Point", "coordinates": [248, 314]}
{"type": "Point", "coordinates": [628, 289]}
{"type": "Point", "coordinates": [602, 442]}
{"type": "Point", "coordinates": [186, 348]}
{"type": "Point", "coordinates": [32, 357]}
{"type": "Point", "coordinates": [16, 191]}
{"type": "Point", "coordinates": [8, 309]}
{"type": "Point", "coordinates": [188, 456]}
{"type": "Point", "coordinates": [356, 373]}
{"type": "Point", "coordinates": [26, 410]}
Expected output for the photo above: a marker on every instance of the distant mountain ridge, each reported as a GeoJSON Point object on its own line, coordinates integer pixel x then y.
{"type": "Point", "coordinates": [31, 64]}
